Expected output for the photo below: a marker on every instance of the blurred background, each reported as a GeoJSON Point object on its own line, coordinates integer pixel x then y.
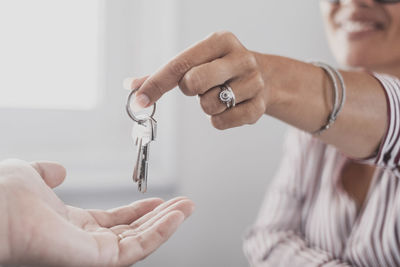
{"type": "Point", "coordinates": [62, 64]}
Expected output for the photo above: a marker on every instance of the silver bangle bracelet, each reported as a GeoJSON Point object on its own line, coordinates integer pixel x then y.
{"type": "Point", "coordinates": [337, 106]}
{"type": "Point", "coordinates": [343, 86]}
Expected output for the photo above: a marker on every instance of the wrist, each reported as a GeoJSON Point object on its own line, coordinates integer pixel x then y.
{"type": "Point", "coordinates": [300, 93]}
{"type": "Point", "coordinates": [268, 67]}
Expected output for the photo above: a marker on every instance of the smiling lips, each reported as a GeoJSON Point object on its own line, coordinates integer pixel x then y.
{"type": "Point", "coordinates": [357, 24]}
{"type": "Point", "coordinates": [352, 26]}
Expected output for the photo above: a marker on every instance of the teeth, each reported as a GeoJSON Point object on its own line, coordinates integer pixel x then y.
{"type": "Point", "coordinates": [357, 26]}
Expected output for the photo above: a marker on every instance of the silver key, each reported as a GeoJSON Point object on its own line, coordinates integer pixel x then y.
{"type": "Point", "coordinates": [143, 133]}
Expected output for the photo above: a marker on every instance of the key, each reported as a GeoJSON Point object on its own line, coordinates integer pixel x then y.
{"type": "Point", "coordinates": [147, 135]}
{"type": "Point", "coordinates": [139, 151]}
{"type": "Point", "coordinates": [143, 133]}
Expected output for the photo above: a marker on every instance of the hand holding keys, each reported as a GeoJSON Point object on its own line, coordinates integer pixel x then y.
{"type": "Point", "coordinates": [144, 131]}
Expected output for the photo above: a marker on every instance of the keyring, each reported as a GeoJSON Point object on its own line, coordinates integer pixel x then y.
{"type": "Point", "coordinates": [131, 114]}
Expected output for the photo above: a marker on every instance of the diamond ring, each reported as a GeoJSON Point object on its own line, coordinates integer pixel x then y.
{"type": "Point", "coordinates": [227, 96]}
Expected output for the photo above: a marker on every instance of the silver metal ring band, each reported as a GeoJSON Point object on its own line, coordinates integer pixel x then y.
{"type": "Point", "coordinates": [227, 96]}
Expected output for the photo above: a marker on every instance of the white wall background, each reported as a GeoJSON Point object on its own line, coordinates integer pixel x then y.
{"type": "Point", "coordinates": [225, 173]}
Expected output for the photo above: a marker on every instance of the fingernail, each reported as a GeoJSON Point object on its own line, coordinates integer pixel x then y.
{"type": "Point", "coordinates": [141, 100]}
{"type": "Point", "coordinates": [127, 83]}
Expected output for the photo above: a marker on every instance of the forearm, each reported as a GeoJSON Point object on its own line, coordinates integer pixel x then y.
{"type": "Point", "coordinates": [303, 97]}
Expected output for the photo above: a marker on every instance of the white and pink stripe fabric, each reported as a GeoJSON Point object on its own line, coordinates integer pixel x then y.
{"type": "Point", "coordinates": [308, 219]}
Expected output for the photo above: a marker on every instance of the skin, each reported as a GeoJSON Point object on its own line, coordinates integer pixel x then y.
{"type": "Point", "coordinates": [378, 50]}
{"type": "Point", "coordinates": [304, 97]}
{"type": "Point", "coordinates": [36, 226]}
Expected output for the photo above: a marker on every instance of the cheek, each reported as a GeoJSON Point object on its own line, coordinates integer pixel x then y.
{"type": "Point", "coordinates": [327, 11]}
{"type": "Point", "coordinates": [394, 12]}
{"type": "Point", "coordinates": [393, 37]}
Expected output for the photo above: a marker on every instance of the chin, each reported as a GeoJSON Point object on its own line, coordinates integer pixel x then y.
{"type": "Point", "coordinates": [356, 57]}
{"type": "Point", "coordinates": [355, 61]}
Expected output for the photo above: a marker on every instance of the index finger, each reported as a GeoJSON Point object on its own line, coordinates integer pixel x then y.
{"type": "Point", "coordinates": [214, 46]}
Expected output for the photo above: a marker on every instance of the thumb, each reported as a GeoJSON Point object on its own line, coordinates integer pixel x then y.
{"type": "Point", "coordinates": [52, 173]}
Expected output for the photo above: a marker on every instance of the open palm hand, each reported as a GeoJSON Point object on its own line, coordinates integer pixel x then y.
{"type": "Point", "coordinates": [37, 228]}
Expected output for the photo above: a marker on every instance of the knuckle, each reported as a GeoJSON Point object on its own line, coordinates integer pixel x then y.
{"type": "Point", "coordinates": [188, 91]}
{"type": "Point", "coordinates": [215, 36]}
{"type": "Point", "coordinates": [248, 114]}
{"type": "Point", "coordinates": [220, 34]}
{"type": "Point", "coordinates": [178, 67]}
{"type": "Point", "coordinates": [208, 106]}
{"type": "Point", "coordinates": [226, 37]}
{"type": "Point", "coordinates": [259, 83]}
{"type": "Point", "coordinates": [190, 83]}
{"type": "Point", "coordinates": [261, 105]}
{"type": "Point", "coordinates": [255, 111]}
{"type": "Point", "coordinates": [217, 123]}
{"type": "Point", "coordinates": [253, 119]}
{"type": "Point", "coordinates": [248, 61]}
{"type": "Point", "coordinates": [157, 87]}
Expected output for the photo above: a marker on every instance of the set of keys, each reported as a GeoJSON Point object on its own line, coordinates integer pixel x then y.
{"type": "Point", "coordinates": [144, 131]}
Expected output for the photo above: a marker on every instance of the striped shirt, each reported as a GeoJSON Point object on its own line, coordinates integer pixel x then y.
{"type": "Point", "coordinates": [308, 219]}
